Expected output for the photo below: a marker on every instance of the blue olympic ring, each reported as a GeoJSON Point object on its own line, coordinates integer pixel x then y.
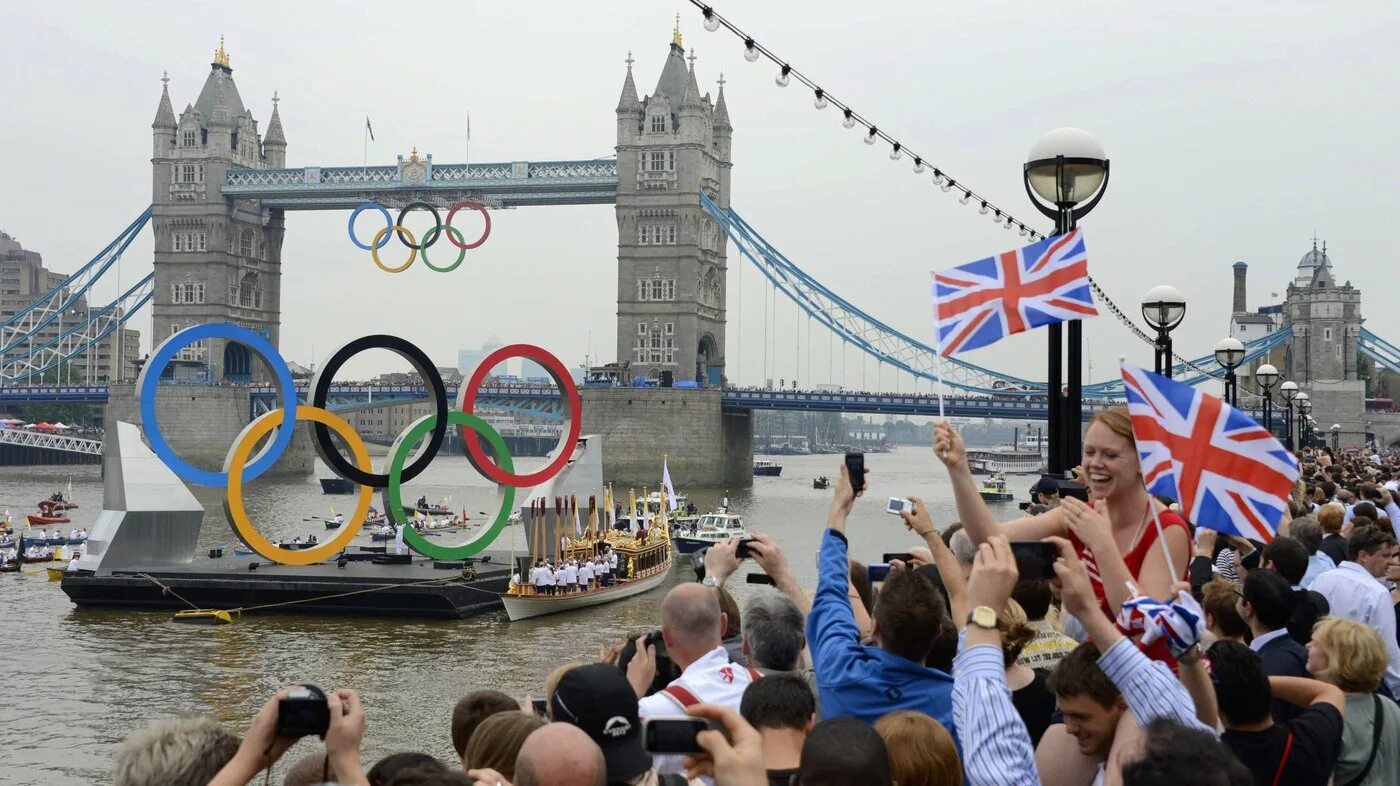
{"type": "Point", "coordinates": [150, 376]}
{"type": "Point", "coordinates": [388, 222]}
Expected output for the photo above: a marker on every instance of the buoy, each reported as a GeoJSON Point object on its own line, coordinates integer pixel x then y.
{"type": "Point", "coordinates": [204, 617]}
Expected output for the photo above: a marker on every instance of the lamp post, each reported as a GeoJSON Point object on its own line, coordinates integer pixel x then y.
{"type": "Point", "coordinates": [1068, 171]}
{"type": "Point", "coordinates": [1304, 419]}
{"type": "Point", "coordinates": [1267, 376]}
{"type": "Point", "coordinates": [1289, 391]}
{"type": "Point", "coordinates": [1229, 353]}
{"type": "Point", "coordinates": [1336, 436]}
{"type": "Point", "coordinates": [1163, 307]}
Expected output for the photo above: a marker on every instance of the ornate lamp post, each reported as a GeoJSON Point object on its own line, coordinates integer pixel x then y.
{"type": "Point", "coordinates": [1289, 391]}
{"type": "Point", "coordinates": [1163, 307]}
{"type": "Point", "coordinates": [1305, 418]}
{"type": "Point", "coordinates": [1229, 353]}
{"type": "Point", "coordinates": [1267, 376]}
{"type": "Point", "coordinates": [1068, 171]}
{"type": "Point", "coordinates": [1336, 436]}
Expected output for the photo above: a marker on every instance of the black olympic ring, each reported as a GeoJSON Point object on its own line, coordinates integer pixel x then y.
{"type": "Point", "coordinates": [320, 390]}
{"type": "Point", "coordinates": [426, 242]}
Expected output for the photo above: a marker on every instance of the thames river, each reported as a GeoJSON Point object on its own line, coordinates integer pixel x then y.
{"type": "Point", "coordinates": [80, 680]}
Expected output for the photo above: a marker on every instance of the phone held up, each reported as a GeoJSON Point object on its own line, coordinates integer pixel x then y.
{"type": "Point", "coordinates": [878, 572]}
{"type": "Point", "coordinates": [855, 468]}
{"type": "Point", "coordinates": [741, 551]}
{"type": "Point", "coordinates": [668, 735]}
{"type": "Point", "coordinates": [1035, 561]}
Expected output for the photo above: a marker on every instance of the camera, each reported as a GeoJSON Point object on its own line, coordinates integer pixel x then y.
{"type": "Point", "coordinates": [897, 506]}
{"type": "Point", "coordinates": [672, 735]}
{"type": "Point", "coordinates": [741, 551]}
{"type": "Point", "coordinates": [303, 713]}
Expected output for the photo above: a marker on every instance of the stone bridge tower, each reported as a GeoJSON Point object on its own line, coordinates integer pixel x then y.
{"type": "Point", "coordinates": [1322, 355]}
{"type": "Point", "coordinates": [215, 260]}
{"type": "Point", "coordinates": [671, 267]}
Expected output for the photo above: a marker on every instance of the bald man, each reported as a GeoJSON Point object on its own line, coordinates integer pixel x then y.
{"type": "Point", "coordinates": [560, 754]}
{"type": "Point", "coordinates": [692, 626]}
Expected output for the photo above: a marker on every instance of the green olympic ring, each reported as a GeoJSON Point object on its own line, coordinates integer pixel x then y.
{"type": "Point", "coordinates": [432, 234]}
{"type": "Point", "coordinates": [393, 498]}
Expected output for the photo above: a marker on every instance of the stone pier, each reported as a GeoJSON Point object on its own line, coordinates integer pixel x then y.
{"type": "Point", "coordinates": [705, 445]}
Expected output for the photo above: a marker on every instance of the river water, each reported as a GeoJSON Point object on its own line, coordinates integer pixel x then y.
{"type": "Point", "coordinates": [81, 680]}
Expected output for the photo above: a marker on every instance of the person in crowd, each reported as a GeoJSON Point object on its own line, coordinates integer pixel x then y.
{"type": "Point", "coordinates": [261, 747]}
{"type": "Point", "coordinates": [560, 754]}
{"type": "Point", "coordinates": [773, 638]}
{"type": "Point", "coordinates": [1050, 645]}
{"type": "Point", "coordinates": [474, 708]}
{"type": "Point", "coordinates": [1302, 751]}
{"type": "Point", "coordinates": [1266, 604]}
{"type": "Point", "coordinates": [869, 681]}
{"type": "Point", "coordinates": [1334, 545]}
{"type": "Point", "coordinates": [387, 770]}
{"type": "Point", "coordinates": [1029, 694]}
{"type": "Point", "coordinates": [598, 699]}
{"type": "Point", "coordinates": [551, 683]}
{"type": "Point", "coordinates": [844, 752]}
{"type": "Point", "coordinates": [921, 751]}
{"type": "Point", "coordinates": [175, 751]}
{"type": "Point", "coordinates": [964, 549]}
{"type": "Point", "coordinates": [1289, 558]}
{"type": "Point", "coordinates": [1117, 534]}
{"type": "Point", "coordinates": [783, 709]}
{"type": "Point", "coordinates": [1354, 592]}
{"type": "Point", "coordinates": [1096, 684]}
{"type": "Point", "coordinates": [1308, 531]}
{"type": "Point", "coordinates": [1175, 755]}
{"type": "Point", "coordinates": [733, 639]}
{"type": "Point", "coordinates": [692, 627]}
{"type": "Point", "coordinates": [1223, 620]}
{"type": "Point", "coordinates": [1350, 656]}
{"type": "Point", "coordinates": [1046, 491]}
{"type": "Point", "coordinates": [309, 770]}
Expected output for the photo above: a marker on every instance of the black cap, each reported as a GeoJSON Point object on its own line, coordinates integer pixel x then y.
{"type": "Point", "coordinates": [598, 699]}
{"type": "Point", "coordinates": [1046, 485]}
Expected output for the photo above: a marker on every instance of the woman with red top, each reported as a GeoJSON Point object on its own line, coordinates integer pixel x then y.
{"type": "Point", "coordinates": [1116, 535]}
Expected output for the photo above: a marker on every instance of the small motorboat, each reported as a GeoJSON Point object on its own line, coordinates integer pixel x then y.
{"type": "Point", "coordinates": [58, 502]}
{"type": "Point", "coordinates": [42, 520]}
{"type": "Point", "coordinates": [242, 553]}
{"type": "Point", "coordinates": [712, 528]}
{"type": "Point", "coordinates": [994, 490]}
{"type": "Point", "coordinates": [12, 566]}
{"type": "Point", "coordinates": [822, 482]}
{"type": "Point", "coordinates": [46, 558]}
{"type": "Point", "coordinates": [766, 469]}
{"type": "Point", "coordinates": [337, 486]}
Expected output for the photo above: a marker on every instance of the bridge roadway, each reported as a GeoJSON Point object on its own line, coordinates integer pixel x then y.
{"type": "Point", "coordinates": [542, 401]}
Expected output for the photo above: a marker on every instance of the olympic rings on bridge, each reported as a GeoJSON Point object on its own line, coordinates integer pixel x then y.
{"type": "Point", "coordinates": [498, 466]}
{"type": "Point", "coordinates": [454, 236]}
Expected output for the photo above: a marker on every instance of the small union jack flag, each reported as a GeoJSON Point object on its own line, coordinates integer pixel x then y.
{"type": "Point", "coordinates": [981, 302]}
{"type": "Point", "coordinates": [1228, 472]}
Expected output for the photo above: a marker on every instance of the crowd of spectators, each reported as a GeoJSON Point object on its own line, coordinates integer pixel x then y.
{"type": "Point", "coordinates": [1150, 653]}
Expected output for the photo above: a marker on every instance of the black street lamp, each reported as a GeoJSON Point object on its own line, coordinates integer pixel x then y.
{"type": "Point", "coordinates": [1067, 169]}
{"type": "Point", "coordinates": [1304, 419]}
{"type": "Point", "coordinates": [1289, 391]}
{"type": "Point", "coordinates": [1163, 307]}
{"type": "Point", "coordinates": [1229, 353]}
{"type": "Point", "coordinates": [1267, 376]}
{"type": "Point", "coordinates": [1336, 436]}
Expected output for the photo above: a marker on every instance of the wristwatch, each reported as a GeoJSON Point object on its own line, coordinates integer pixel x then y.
{"type": "Point", "coordinates": [983, 617]}
{"type": "Point", "coordinates": [710, 581]}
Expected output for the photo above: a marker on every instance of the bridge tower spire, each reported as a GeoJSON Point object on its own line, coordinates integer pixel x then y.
{"type": "Point", "coordinates": [216, 260]}
{"type": "Point", "coordinates": [671, 282]}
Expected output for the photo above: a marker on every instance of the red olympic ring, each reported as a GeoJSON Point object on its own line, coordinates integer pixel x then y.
{"type": "Point", "coordinates": [485, 233]}
{"type": "Point", "coordinates": [466, 399]}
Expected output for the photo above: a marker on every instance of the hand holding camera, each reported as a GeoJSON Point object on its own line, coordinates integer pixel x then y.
{"type": "Point", "coordinates": [299, 711]}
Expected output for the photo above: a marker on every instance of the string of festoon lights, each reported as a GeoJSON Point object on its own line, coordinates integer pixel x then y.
{"type": "Point", "coordinates": [850, 118]}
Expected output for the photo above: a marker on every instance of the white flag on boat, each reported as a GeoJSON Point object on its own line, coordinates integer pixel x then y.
{"type": "Point", "coordinates": [578, 525]}
{"type": "Point", "coordinates": [666, 482]}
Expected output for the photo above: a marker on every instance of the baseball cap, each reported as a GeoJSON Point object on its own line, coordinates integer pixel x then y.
{"type": "Point", "coordinates": [1046, 485]}
{"type": "Point", "coordinates": [598, 699]}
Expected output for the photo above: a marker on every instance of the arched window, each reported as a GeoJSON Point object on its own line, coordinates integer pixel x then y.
{"type": "Point", "coordinates": [245, 243]}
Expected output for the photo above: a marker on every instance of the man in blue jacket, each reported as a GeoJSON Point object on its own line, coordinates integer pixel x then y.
{"type": "Point", "coordinates": [868, 682]}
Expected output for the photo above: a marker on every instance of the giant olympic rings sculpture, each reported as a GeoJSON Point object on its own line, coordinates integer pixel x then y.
{"type": "Point", "coordinates": [237, 469]}
{"type": "Point", "coordinates": [429, 238]}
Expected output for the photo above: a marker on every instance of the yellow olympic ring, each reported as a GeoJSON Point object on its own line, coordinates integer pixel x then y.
{"type": "Point", "coordinates": [237, 458]}
{"type": "Point", "coordinates": [374, 248]}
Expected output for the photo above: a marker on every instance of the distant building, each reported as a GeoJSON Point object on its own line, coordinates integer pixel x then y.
{"type": "Point", "coordinates": [467, 359]}
{"type": "Point", "coordinates": [24, 279]}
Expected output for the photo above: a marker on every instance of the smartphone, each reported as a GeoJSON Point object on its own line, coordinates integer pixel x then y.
{"type": "Point", "coordinates": [1077, 490]}
{"type": "Point", "coordinates": [897, 506]}
{"type": "Point", "coordinates": [1024, 505]}
{"type": "Point", "coordinates": [906, 558]}
{"type": "Point", "coordinates": [877, 572]}
{"type": "Point", "coordinates": [673, 734]}
{"type": "Point", "coordinates": [855, 467]}
{"type": "Point", "coordinates": [742, 552]}
{"type": "Point", "coordinates": [541, 709]}
{"type": "Point", "coordinates": [1035, 560]}
{"type": "Point", "coordinates": [759, 578]}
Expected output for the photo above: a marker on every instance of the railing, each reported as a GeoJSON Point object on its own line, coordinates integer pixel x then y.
{"type": "Point", "coordinates": [36, 439]}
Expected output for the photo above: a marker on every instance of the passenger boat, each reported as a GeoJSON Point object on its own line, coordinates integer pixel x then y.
{"type": "Point", "coordinates": [337, 486]}
{"type": "Point", "coordinates": [822, 482]}
{"type": "Point", "coordinates": [767, 469]}
{"type": "Point", "coordinates": [712, 528]}
{"type": "Point", "coordinates": [1007, 461]}
{"type": "Point", "coordinates": [994, 490]}
{"type": "Point", "coordinates": [648, 564]}
{"type": "Point", "coordinates": [40, 520]}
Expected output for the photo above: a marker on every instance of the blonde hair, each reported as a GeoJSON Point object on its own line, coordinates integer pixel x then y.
{"type": "Point", "coordinates": [921, 751]}
{"type": "Point", "coordinates": [1356, 657]}
{"type": "Point", "coordinates": [551, 684]}
{"type": "Point", "coordinates": [497, 742]}
{"type": "Point", "coordinates": [1117, 420]}
{"type": "Point", "coordinates": [1016, 631]}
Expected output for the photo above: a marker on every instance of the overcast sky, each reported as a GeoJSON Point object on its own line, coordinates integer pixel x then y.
{"type": "Point", "coordinates": [1235, 131]}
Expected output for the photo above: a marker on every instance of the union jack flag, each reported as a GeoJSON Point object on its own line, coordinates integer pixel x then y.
{"type": "Point", "coordinates": [979, 303]}
{"type": "Point", "coordinates": [1228, 473]}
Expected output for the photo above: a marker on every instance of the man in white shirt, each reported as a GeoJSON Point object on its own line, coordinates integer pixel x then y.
{"type": "Point", "coordinates": [571, 577]}
{"type": "Point", "coordinates": [73, 535]}
{"type": "Point", "coordinates": [585, 575]}
{"type": "Point", "coordinates": [1354, 591]}
{"type": "Point", "coordinates": [540, 576]}
{"type": "Point", "coordinates": [72, 565]}
{"type": "Point", "coordinates": [561, 578]}
{"type": "Point", "coordinates": [612, 565]}
{"type": "Point", "coordinates": [605, 565]}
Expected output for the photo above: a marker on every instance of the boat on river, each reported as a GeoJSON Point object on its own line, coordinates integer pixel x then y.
{"type": "Point", "coordinates": [822, 482]}
{"type": "Point", "coordinates": [337, 486]}
{"type": "Point", "coordinates": [766, 468]}
{"type": "Point", "coordinates": [994, 490]}
{"type": "Point", "coordinates": [42, 520]}
{"type": "Point", "coordinates": [717, 527]}
{"type": "Point", "coordinates": [647, 561]}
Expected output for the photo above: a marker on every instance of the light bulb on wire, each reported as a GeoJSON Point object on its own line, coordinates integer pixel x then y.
{"type": "Point", "coordinates": [820, 101]}
{"type": "Point", "coordinates": [870, 137]}
{"type": "Point", "coordinates": [965, 197]}
{"type": "Point", "coordinates": [849, 120]}
{"type": "Point", "coordinates": [782, 79]}
{"type": "Point", "coordinates": [984, 209]}
{"type": "Point", "coordinates": [918, 166]}
{"type": "Point", "coordinates": [894, 152]}
{"type": "Point", "coordinates": [711, 21]}
{"type": "Point", "coordinates": [750, 51]}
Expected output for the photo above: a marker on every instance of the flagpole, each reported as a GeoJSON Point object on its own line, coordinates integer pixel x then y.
{"type": "Point", "coordinates": [1161, 538]}
{"type": "Point", "coordinates": [938, 341]}
{"type": "Point", "coordinates": [364, 162]}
